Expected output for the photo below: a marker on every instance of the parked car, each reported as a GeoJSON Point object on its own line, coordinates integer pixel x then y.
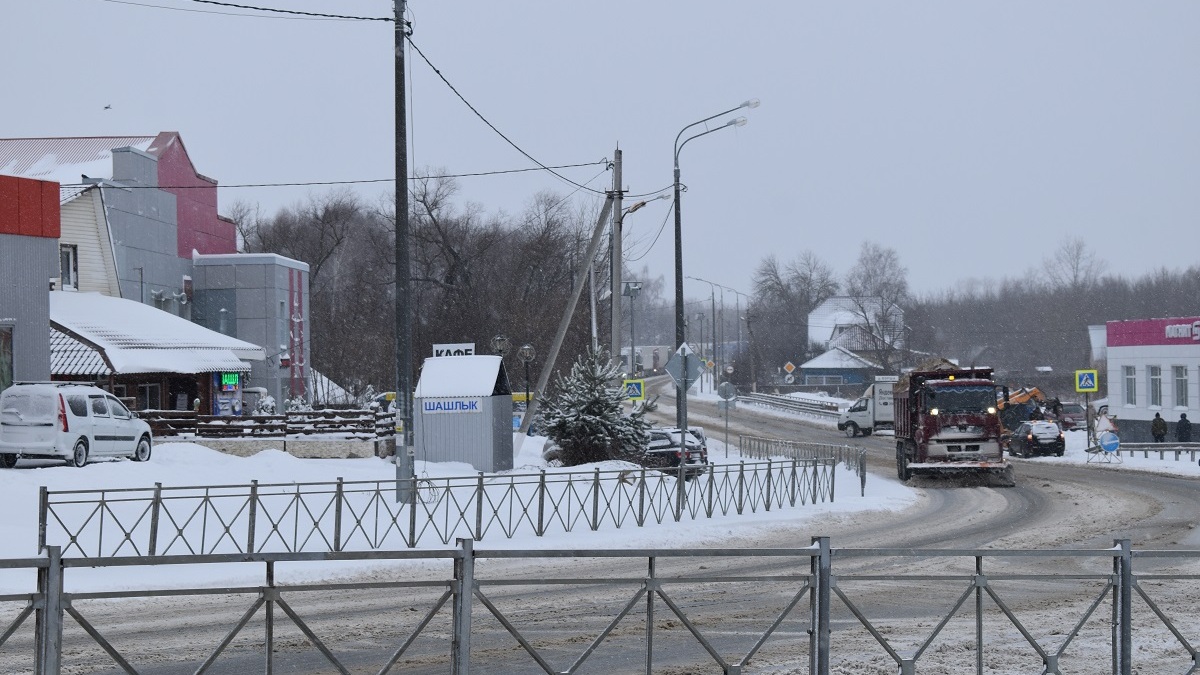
{"type": "Point", "coordinates": [73, 422]}
{"type": "Point", "coordinates": [1073, 416]}
{"type": "Point", "coordinates": [1037, 437]}
{"type": "Point", "coordinates": [664, 446]}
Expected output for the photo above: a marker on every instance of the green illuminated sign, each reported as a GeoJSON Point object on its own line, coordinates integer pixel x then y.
{"type": "Point", "coordinates": [230, 381]}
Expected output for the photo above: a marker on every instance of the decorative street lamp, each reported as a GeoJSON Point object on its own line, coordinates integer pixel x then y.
{"type": "Point", "coordinates": [526, 354]}
{"type": "Point", "coordinates": [499, 345]}
{"type": "Point", "coordinates": [680, 337]}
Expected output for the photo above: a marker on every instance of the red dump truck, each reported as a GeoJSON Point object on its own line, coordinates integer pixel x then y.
{"type": "Point", "coordinates": [947, 422]}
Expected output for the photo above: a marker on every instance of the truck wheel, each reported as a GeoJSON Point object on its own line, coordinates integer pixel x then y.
{"type": "Point", "coordinates": [851, 430]}
{"type": "Point", "coordinates": [8, 460]}
{"type": "Point", "coordinates": [866, 432]}
{"type": "Point", "coordinates": [902, 470]}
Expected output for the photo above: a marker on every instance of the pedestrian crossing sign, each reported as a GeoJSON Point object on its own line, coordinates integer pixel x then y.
{"type": "Point", "coordinates": [1086, 382]}
{"type": "Point", "coordinates": [635, 390]}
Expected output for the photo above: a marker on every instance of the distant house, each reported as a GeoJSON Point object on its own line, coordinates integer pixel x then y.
{"type": "Point", "coordinates": [865, 326]}
{"type": "Point", "coordinates": [838, 366]}
{"type": "Point", "coordinates": [139, 222]}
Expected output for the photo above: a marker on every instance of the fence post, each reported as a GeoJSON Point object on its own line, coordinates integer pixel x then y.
{"type": "Point", "coordinates": [252, 512]}
{"type": "Point", "coordinates": [770, 469]}
{"type": "Point", "coordinates": [1122, 630]}
{"type": "Point", "coordinates": [596, 500]}
{"type": "Point", "coordinates": [641, 517]}
{"type": "Point", "coordinates": [680, 490]}
{"type": "Point", "coordinates": [337, 516]}
{"type": "Point", "coordinates": [820, 567]}
{"type": "Point", "coordinates": [269, 620]}
{"type": "Point", "coordinates": [541, 525]}
{"type": "Point", "coordinates": [464, 582]}
{"type": "Point", "coordinates": [479, 507]}
{"type": "Point", "coordinates": [43, 513]}
{"type": "Point", "coordinates": [49, 622]}
{"type": "Point", "coordinates": [816, 481]}
{"type": "Point", "coordinates": [155, 506]}
{"type": "Point", "coordinates": [412, 512]}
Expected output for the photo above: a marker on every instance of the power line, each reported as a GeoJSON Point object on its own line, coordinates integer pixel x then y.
{"type": "Point", "coordinates": [293, 11]}
{"type": "Point", "coordinates": [492, 126]}
{"type": "Point", "coordinates": [343, 182]}
{"type": "Point", "coordinates": [210, 11]}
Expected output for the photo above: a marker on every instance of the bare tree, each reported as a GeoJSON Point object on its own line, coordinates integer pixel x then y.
{"type": "Point", "coordinates": [783, 298]}
{"type": "Point", "coordinates": [1074, 267]}
{"type": "Point", "coordinates": [878, 287]}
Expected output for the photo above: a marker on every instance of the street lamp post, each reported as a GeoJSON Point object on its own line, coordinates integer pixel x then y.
{"type": "Point", "coordinates": [617, 263]}
{"type": "Point", "coordinates": [632, 288]}
{"type": "Point", "coordinates": [680, 338]}
{"type": "Point", "coordinates": [526, 354]}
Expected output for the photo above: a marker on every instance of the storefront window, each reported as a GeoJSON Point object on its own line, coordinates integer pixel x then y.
{"type": "Point", "coordinates": [1181, 386]}
{"type": "Point", "coordinates": [1154, 375]}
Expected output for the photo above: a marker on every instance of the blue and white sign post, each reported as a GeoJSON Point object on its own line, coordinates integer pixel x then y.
{"type": "Point", "coordinates": [1087, 382]}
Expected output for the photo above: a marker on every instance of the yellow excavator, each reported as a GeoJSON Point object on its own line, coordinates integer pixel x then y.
{"type": "Point", "coordinates": [1019, 406]}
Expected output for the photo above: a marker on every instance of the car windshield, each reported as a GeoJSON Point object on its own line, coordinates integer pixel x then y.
{"type": "Point", "coordinates": [961, 398]}
{"type": "Point", "coordinates": [1044, 428]}
{"type": "Point", "coordinates": [1072, 409]}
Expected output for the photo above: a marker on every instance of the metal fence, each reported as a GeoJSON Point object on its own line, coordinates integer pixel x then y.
{"type": "Point", "coordinates": [375, 515]}
{"type": "Point", "coordinates": [362, 424]}
{"type": "Point", "coordinates": [754, 447]}
{"type": "Point", "coordinates": [792, 404]}
{"type": "Point", "coordinates": [1104, 608]}
{"type": "Point", "coordinates": [1163, 451]}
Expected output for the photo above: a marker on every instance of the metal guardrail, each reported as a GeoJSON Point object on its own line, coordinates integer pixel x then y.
{"type": "Point", "coordinates": [754, 447]}
{"type": "Point", "coordinates": [465, 603]}
{"type": "Point", "coordinates": [375, 515]}
{"type": "Point", "coordinates": [792, 404]}
{"type": "Point", "coordinates": [1163, 451]}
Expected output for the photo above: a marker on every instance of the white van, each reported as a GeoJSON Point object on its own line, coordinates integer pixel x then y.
{"type": "Point", "coordinates": [73, 422]}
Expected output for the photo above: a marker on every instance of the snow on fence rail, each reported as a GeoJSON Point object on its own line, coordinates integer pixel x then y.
{"type": "Point", "coordinates": [376, 515]}
{"type": "Point", "coordinates": [351, 423]}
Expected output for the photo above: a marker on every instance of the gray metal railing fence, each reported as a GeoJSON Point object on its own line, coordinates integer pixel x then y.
{"type": "Point", "coordinates": [754, 447]}
{"type": "Point", "coordinates": [367, 515]}
{"type": "Point", "coordinates": [792, 404]}
{"type": "Point", "coordinates": [987, 584]}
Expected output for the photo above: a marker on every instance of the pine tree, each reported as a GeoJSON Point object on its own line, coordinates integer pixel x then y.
{"type": "Point", "coordinates": [584, 417]}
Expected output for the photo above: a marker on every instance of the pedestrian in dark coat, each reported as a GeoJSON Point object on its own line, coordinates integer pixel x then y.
{"type": "Point", "coordinates": [1158, 428]}
{"type": "Point", "coordinates": [1183, 429]}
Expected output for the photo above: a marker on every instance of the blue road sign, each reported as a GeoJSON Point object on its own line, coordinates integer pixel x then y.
{"type": "Point", "coordinates": [1109, 442]}
{"type": "Point", "coordinates": [1086, 382]}
{"type": "Point", "coordinates": [635, 390]}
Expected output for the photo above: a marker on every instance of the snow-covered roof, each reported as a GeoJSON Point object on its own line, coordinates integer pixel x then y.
{"type": "Point", "coordinates": [839, 358]}
{"type": "Point", "coordinates": [65, 160]}
{"type": "Point", "coordinates": [839, 313]}
{"type": "Point", "coordinates": [134, 338]}
{"type": "Point", "coordinates": [443, 376]}
{"type": "Point", "coordinates": [69, 356]}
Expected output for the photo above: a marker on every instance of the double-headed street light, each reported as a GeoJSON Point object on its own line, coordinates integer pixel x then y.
{"type": "Point", "coordinates": [680, 337]}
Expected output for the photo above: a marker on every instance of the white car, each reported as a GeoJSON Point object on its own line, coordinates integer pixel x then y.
{"type": "Point", "coordinates": [73, 422]}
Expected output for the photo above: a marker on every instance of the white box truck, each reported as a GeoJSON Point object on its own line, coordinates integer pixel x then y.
{"type": "Point", "coordinates": [873, 411]}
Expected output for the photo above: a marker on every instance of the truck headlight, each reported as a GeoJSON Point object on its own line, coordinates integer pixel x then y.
{"type": "Point", "coordinates": [991, 410]}
{"type": "Point", "coordinates": [933, 412]}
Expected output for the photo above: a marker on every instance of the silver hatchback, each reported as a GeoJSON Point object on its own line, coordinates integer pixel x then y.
{"type": "Point", "coordinates": [72, 422]}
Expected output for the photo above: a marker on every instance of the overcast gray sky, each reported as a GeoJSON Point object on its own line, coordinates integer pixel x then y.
{"type": "Point", "coordinates": [972, 137]}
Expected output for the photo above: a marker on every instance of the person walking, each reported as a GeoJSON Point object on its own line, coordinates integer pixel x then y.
{"type": "Point", "coordinates": [1183, 429]}
{"type": "Point", "coordinates": [1158, 428]}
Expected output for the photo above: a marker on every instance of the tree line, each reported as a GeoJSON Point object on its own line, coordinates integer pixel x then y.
{"type": "Point", "coordinates": [476, 275]}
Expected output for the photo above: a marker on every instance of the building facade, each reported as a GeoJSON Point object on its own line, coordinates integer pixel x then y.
{"type": "Point", "coordinates": [1153, 367]}
{"type": "Point", "coordinates": [29, 229]}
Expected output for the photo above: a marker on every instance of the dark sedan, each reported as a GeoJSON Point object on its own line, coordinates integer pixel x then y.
{"type": "Point", "coordinates": [1037, 438]}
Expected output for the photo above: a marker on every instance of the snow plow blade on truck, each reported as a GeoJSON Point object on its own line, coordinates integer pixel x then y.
{"type": "Point", "coordinates": [947, 423]}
